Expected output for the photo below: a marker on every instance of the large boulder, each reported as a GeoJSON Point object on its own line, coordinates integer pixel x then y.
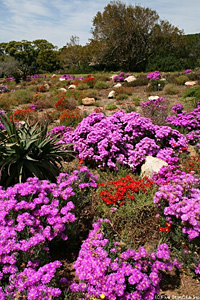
{"type": "Point", "coordinates": [130, 79]}
{"type": "Point", "coordinates": [88, 101]}
{"type": "Point", "coordinates": [191, 83]}
{"type": "Point", "coordinates": [151, 165]}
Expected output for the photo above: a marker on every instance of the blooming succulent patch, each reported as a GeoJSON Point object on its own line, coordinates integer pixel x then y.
{"type": "Point", "coordinates": [154, 75]}
{"type": "Point", "coordinates": [123, 138]}
{"type": "Point", "coordinates": [104, 268]}
{"type": "Point", "coordinates": [32, 214]}
{"type": "Point", "coordinates": [118, 191]}
{"type": "Point", "coordinates": [188, 122]}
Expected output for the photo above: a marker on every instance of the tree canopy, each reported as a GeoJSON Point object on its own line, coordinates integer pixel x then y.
{"type": "Point", "coordinates": [130, 35]}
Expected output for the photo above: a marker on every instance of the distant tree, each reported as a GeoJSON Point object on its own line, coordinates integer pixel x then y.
{"type": "Point", "coordinates": [71, 55]}
{"type": "Point", "coordinates": [10, 67]}
{"type": "Point", "coordinates": [129, 35]}
{"type": "Point", "coordinates": [48, 60]}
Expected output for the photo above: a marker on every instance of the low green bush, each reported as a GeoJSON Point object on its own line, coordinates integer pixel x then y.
{"type": "Point", "coordinates": [180, 80]}
{"type": "Point", "coordinates": [101, 85]}
{"type": "Point", "coordinates": [22, 96]}
{"type": "Point", "coordinates": [156, 85]}
{"type": "Point", "coordinates": [122, 96]}
{"type": "Point", "coordinates": [170, 89]}
{"type": "Point", "coordinates": [111, 106]}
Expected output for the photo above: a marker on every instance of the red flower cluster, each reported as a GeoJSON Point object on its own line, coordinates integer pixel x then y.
{"type": "Point", "coordinates": [116, 192]}
{"type": "Point", "coordinates": [21, 115]}
{"type": "Point", "coordinates": [90, 80]}
{"type": "Point", "coordinates": [61, 103]}
{"type": "Point", "coordinates": [70, 117]}
{"type": "Point", "coordinates": [165, 229]}
{"type": "Point", "coordinates": [191, 164]}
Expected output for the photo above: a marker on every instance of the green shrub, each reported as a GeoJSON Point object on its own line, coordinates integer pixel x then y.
{"type": "Point", "coordinates": [92, 94]}
{"type": "Point", "coordinates": [180, 80]}
{"type": "Point", "coordinates": [194, 94]}
{"type": "Point", "coordinates": [136, 100]}
{"type": "Point", "coordinates": [22, 96]}
{"type": "Point", "coordinates": [156, 85]}
{"type": "Point", "coordinates": [82, 86]}
{"type": "Point", "coordinates": [101, 85]}
{"type": "Point", "coordinates": [27, 151]}
{"type": "Point", "coordinates": [171, 89]}
{"type": "Point", "coordinates": [111, 106]}
{"type": "Point", "coordinates": [121, 96]}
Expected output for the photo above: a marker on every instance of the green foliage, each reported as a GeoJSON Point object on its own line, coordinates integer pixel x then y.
{"type": "Point", "coordinates": [156, 85]}
{"type": "Point", "coordinates": [27, 151]}
{"type": "Point", "coordinates": [180, 80]}
{"type": "Point", "coordinates": [122, 96]}
{"type": "Point", "coordinates": [171, 89]}
{"type": "Point", "coordinates": [126, 36]}
{"type": "Point", "coordinates": [110, 106]}
{"type": "Point", "coordinates": [101, 85]}
{"type": "Point", "coordinates": [166, 63]}
{"type": "Point", "coordinates": [193, 94]}
{"type": "Point", "coordinates": [82, 86]}
{"type": "Point", "coordinates": [136, 100]}
{"type": "Point", "coordinates": [22, 96]}
{"type": "Point", "coordinates": [140, 81]}
{"type": "Point", "coordinates": [92, 94]}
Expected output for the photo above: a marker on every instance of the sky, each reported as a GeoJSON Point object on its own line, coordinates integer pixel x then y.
{"type": "Point", "coordinates": [57, 20]}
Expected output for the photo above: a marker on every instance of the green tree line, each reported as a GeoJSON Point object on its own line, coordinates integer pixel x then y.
{"type": "Point", "coordinates": [124, 37]}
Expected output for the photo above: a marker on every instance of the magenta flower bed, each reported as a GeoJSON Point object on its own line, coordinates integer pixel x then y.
{"type": "Point", "coordinates": [105, 270]}
{"type": "Point", "coordinates": [32, 214]}
{"type": "Point", "coordinates": [123, 138]}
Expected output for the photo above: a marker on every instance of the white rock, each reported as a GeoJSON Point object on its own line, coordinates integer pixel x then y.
{"type": "Point", "coordinates": [62, 90]}
{"type": "Point", "coordinates": [117, 85]}
{"type": "Point", "coordinates": [152, 164]}
{"type": "Point", "coordinates": [46, 86]}
{"type": "Point", "coordinates": [72, 87]}
{"type": "Point", "coordinates": [88, 101]}
{"type": "Point", "coordinates": [153, 97]}
{"type": "Point", "coordinates": [111, 95]}
{"type": "Point", "coordinates": [190, 83]}
{"type": "Point", "coordinates": [130, 78]}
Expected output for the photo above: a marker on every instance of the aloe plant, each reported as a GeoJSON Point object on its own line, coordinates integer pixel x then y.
{"type": "Point", "coordinates": [27, 151]}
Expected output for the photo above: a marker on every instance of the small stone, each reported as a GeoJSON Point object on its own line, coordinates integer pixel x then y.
{"type": "Point", "coordinates": [111, 95]}
{"type": "Point", "coordinates": [62, 90]}
{"type": "Point", "coordinates": [117, 85]}
{"type": "Point", "coordinates": [153, 97]}
{"type": "Point", "coordinates": [72, 87]}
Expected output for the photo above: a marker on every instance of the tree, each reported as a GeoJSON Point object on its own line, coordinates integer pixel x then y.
{"type": "Point", "coordinates": [48, 60]}
{"type": "Point", "coordinates": [74, 56]}
{"type": "Point", "coordinates": [129, 35]}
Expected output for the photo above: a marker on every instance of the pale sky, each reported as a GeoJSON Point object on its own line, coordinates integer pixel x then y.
{"type": "Point", "coordinates": [57, 20]}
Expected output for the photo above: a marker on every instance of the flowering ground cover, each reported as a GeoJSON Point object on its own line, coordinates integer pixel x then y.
{"type": "Point", "coordinates": [112, 235]}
